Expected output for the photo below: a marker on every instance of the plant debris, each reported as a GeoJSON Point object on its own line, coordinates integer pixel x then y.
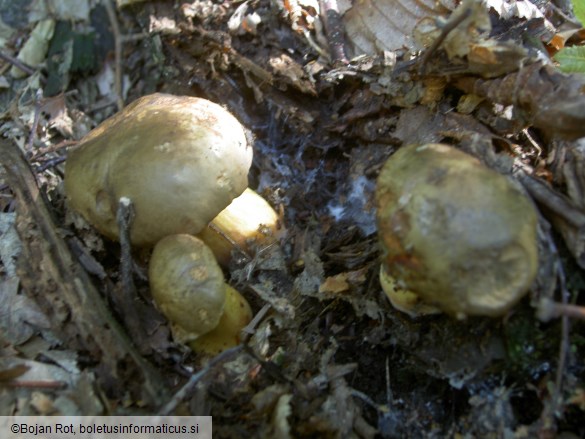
{"type": "Point", "coordinates": [329, 90]}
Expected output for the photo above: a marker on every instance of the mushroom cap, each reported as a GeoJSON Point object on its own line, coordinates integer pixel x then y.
{"type": "Point", "coordinates": [180, 160]}
{"type": "Point", "coordinates": [187, 285]}
{"type": "Point", "coordinates": [459, 235]}
{"type": "Point", "coordinates": [404, 300]}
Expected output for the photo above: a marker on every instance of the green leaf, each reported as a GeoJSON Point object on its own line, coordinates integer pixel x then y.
{"type": "Point", "coordinates": [571, 59]}
{"type": "Point", "coordinates": [579, 10]}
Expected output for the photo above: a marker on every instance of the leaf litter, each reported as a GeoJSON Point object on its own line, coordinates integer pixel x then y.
{"type": "Point", "coordinates": [327, 355]}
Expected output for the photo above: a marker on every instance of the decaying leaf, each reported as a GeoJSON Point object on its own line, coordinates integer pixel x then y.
{"type": "Point", "coordinates": [335, 284]}
{"type": "Point", "coordinates": [13, 372]}
{"type": "Point", "coordinates": [20, 316]}
{"type": "Point", "coordinates": [280, 424]}
{"type": "Point", "coordinates": [342, 281]}
{"type": "Point", "coordinates": [242, 22]}
{"type": "Point", "coordinates": [468, 24]}
{"type": "Point", "coordinates": [10, 245]}
{"type": "Point", "coordinates": [374, 26]}
{"type": "Point", "coordinates": [545, 98]}
{"type": "Point", "coordinates": [35, 49]}
{"type": "Point", "coordinates": [513, 8]}
{"type": "Point", "coordinates": [59, 119]}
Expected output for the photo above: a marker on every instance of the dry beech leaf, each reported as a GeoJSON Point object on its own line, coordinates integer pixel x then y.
{"type": "Point", "coordinates": [335, 284]}
{"type": "Point", "coordinates": [373, 26]}
{"type": "Point", "coordinates": [56, 108]}
{"type": "Point", "coordinates": [341, 282]}
{"type": "Point", "coordinates": [13, 372]}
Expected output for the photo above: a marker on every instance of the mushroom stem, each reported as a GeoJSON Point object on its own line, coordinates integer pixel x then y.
{"type": "Point", "coordinates": [237, 314]}
{"type": "Point", "coordinates": [246, 224]}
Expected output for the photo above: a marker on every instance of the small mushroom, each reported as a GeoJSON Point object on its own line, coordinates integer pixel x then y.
{"type": "Point", "coordinates": [455, 235]}
{"type": "Point", "coordinates": [188, 287]}
{"type": "Point", "coordinates": [180, 160]}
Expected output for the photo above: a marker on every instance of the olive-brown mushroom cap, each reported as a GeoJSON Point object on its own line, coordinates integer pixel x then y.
{"type": "Point", "coordinates": [456, 233]}
{"type": "Point", "coordinates": [187, 285]}
{"type": "Point", "coordinates": [180, 160]}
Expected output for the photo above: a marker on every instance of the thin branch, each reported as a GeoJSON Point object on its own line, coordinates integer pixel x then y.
{"type": "Point", "coordinates": [18, 63]}
{"type": "Point", "coordinates": [37, 117]}
{"type": "Point", "coordinates": [329, 12]}
{"type": "Point", "coordinates": [125, 217]}
{"type": "Point", "coordinates": [451, 24]}
{"type": "Point", "coordinates": [118, 52]}
{"type": "Point", "coordinates": [187, 389]}
{"type": "Point", "coordinates": [549, 309]}
{"type": "Point", "coordinates": [552, 407]}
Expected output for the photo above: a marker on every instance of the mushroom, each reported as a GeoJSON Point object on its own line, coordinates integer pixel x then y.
{"type": "Point", "coordinates": [188, 287]}
{"type": "Point", "coordinates": [180, 160]}
{"type": "Point", "coordinates": [456, 236]}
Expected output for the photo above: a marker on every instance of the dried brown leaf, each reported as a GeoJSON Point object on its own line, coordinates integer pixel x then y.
{"type": "Point", "coordinates": [56, 108]}
{"type": "Point", "coordinates": [374, 26]}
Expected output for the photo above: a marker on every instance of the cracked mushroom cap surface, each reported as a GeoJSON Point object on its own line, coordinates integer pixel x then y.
{"type": "Point", "coordinates": [180, 160]}
{"type": "Point", "coordinates": [456, 233]}
{"type": "Point", "coordinates": [187, 285]}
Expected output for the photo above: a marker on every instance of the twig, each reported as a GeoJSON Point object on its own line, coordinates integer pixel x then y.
{"type": "Point", "coordinates": [552, 407]}
{"type": "Point", "coordinates": [18, 63]}
{"type": "Point", "coordinates": [449, 26]}
{"type": "Point", "coordinates": [53, 385]}
{"type": "Point", "coordinates": [51, 163]}
{"type": "Point", "coordinates": [186, 390]}
{"type": "Point", "coordinates": [117, 52]}
{"type": "Point", "coordinates": [37, 117]}
{"type": "Point", "coordinates": [127, 297]}
{"type": "Point", "coordinates": [119, 40]}
{"type": "Point", "coordinates": [329, 12]}
{"type": "Point", "coordinates": [365, 398]}
{"type": "Point", "coordinates": [53, 148]}
{"type": "Point", "coordinates": [125, 217]}
{"type": "Point", "coordinates": [549, 309]}
{"type": "Point", "coordinates": [229, 239]}
{"type": "Point", "coordinates": [250, 328]}
{"type": "Point", "coordinates": [554, 202]}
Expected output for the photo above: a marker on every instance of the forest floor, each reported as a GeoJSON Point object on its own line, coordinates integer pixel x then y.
{"type": "Point", "coordinates": [327, 355]}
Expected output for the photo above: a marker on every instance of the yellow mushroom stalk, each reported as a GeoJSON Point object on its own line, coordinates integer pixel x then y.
{"type": "Point", "coordinates": [249, 221]}
{"type": "Point", "coordinates": [456, 236]}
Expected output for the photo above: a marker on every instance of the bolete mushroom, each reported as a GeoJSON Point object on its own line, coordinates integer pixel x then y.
{"type": "Point", "coordinates": [456, 236]}
{"type": "Point", "coordinates": [188, 287]}
{"type": "Point", "coordinates": [180, 160]}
